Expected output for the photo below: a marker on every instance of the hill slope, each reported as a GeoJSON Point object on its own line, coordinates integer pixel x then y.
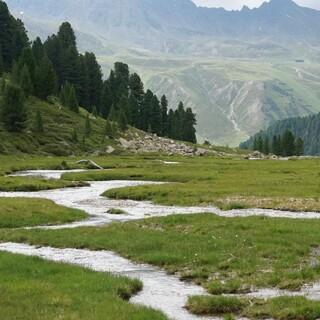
{"type": "Point", "coordinates": [307, 128]}
{"type": "Point", "coordinates": [174, 46]}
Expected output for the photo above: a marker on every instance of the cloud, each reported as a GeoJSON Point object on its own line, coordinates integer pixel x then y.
{"type": "Point", "coordinates": [238, 4]}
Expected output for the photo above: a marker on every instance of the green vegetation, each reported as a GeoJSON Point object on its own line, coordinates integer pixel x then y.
{"type": "Point", "coordinates": [20, 212]}
{"type": "Point", "coordinates": [283, 308]}
{"type": "Point", "coordinates": [286, 144]}
{"type": "Point", "coordinates": [227, 183]}
{"type": "Point", "coordinates": [32, 289]}
{"type": "Point", "coordinates": [35, 184]}
{"type": "Point", "coordinates": [304, 127]}
{"type": "Point", "coordinates": [222, 254]}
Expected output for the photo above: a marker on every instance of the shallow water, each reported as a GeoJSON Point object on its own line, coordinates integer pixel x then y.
{"type": "Point", "coordinates": [160, 291]}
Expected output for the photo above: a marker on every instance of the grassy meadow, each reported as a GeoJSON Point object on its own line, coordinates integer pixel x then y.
{"type": "Point", "coordinates": [224, 255]}
{"type": "Point", "coordinates": [21, 212]}
{"type": "Point", "coordinates": [33, 289]}
{"type": "Point", "coordinates": [226, 183]}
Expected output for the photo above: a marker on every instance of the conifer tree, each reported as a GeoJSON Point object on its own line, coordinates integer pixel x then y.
{"type": "Point", "coordinates": [288, 144]}
{"type": "Point", "coordinates": [38, 125]}
{"type": "Point", "coordinates": [68, 97]}
{"type": "Point", "coordinates": [13, 109]}
{"type": "Point", "coordinates": [45, 79]}
{"type": "Point", "coordinates": [164, 116]}
{"type": "Point", "coordinates": [189, 122]}
{"type": "Point", "coordinates": [25, 81]}
{"type": "Point", "coordinates": [38, 49]}
{"type": "Point", "coordinates": [27, 59]}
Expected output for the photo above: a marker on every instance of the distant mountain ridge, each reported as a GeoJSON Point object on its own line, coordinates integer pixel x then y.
{"type": "Point", "coordinates": [236, 69]}
{"type": "Point", "coordinates": [150, 23]}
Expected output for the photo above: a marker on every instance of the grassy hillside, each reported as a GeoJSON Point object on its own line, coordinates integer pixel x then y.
{"type": "Point", "coordinates": [58, 137]}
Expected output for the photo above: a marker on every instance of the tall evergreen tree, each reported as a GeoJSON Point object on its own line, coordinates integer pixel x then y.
{"type": "Point", "coordinates": [288, 144]}
{"type": "Point", "coordinates": [66, 35]}
{"type": "Point", "coordinates": [87, 126]}
{"type": "Point", "coordinates": [189, 122]}
{"type": "Point", "coordinates": [38, 49]}
{"type": "Point", "coordinates": [45, 79]}
{"type": "Point", "coordinates": [13, 109]}
{"type": "Point", "coordinates": [95, 80]}
{"type": "Point", "coordinates": [299, 147]}
{"type": "Point", "coordinates": [164, 116]}
{"type": "Point", "coordinates": [25, 81]}
{"type": "Point", "coordinates": [68, 97]}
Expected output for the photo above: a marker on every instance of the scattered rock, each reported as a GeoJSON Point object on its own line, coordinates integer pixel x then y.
{"type": "Point", "coordinates": [110, 149]}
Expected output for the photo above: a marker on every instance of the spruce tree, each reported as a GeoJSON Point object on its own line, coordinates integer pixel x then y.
{"type": "Point", "coordinates": [38, 125]}
{"type": "Point", "coordinates": [189, 122]}
{"type": "Point", "coordinates": [288, 144]}
{"type": "Point", "coordinates": [45, 79]}
{"type": "Point", "coordinates": [66, 35]}
{"type": "Point", "coordinates": [164, 116]}
{"type": "Point", "coordinates": [68, 97]}
{"type": "Point", "coordinates": [27, 59]}
{"type": "Point", "coordinates": [25, 81]}
{"type": "Point", "coordinates": [38, 49]}
{"type": "Point", "coordinates": [13, 109]}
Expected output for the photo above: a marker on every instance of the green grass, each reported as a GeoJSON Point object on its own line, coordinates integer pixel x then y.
{"type": "Point", "coordinates": [35, 184]}
{"type": "Point", "coordinates": [227, 183]}
{"type": "Point", "coordinates": [283, 308]}
{"type": "Point", "coordinates": [33, 289]}
{"type": "Point", "coordinates": [57, 139]}
{"type": "Point", "coordinates": [223, 255]}
{"type": "Point", "coordinates": [20, 212]}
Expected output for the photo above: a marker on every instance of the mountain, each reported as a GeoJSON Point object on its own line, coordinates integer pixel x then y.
{"type": "Point", "coordinates": [240, 70]}
{"type": "Point", "coordinates": [307, 128]}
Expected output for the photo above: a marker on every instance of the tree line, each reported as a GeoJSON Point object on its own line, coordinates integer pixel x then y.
{"type": "Point", "coordinates": [55, 67]}
{"type": "Point", "coordinates": [285, 144]}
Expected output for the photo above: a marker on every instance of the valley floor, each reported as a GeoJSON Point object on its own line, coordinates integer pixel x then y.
{"type": "Point", "coordinates": [225, 255]}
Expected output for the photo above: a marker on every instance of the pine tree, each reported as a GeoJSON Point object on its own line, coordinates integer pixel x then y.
{"type": "Point", "coordinates": [189, 131]}
{"type": "Point", "coordinates": [288, 144]}
{"type": "Point", "coordinates": [27, 59]}
{"type": "Point", "coordinates": [68, 97]}
{"type": "Point", "coordinates": [38, 125]}
{"type": "Point", "coordinates": [13, 109]}
{"type": "Point", "coordinates": [155, 116]}
{"type": "Point", "coordinates": [164, 116]}
{"type": "Point", "coordinates": [38, 49]}
{"type": "Point", "coordinates": [45, 79]}
{"type": "Point", "coordinates": [87, 127]}
{"type": "Point", "coordinates": [266, 145]}
{"type": "Point", "coordinates": [66, 35]}
{"type": "Point", "coordinates": [95, 82]}
{"type": "Point", "coordinates": [2, 85]}
{"type": "Point", "coordinates": [25, 81]}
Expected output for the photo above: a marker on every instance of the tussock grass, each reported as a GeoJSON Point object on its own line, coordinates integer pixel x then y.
{"type": "Point", "coordinates": [227, 183]}
{"type": "Point", "coordinates": [33, 289]}
{"type": "Point", "coordinates": [282, 308]}
{"type": "Point", "coordinates": [21, 212]}
{"type": "Point", "coordinates": [224, 255]}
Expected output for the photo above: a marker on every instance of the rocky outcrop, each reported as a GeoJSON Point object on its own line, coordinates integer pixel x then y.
{"type": "Point", "coordinates": [155, 144]}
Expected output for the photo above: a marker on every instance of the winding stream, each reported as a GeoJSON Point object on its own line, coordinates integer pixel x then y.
{"type": "Point", "coordinates": [160, 290]}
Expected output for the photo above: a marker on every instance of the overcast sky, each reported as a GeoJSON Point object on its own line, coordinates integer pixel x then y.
{"type": "Point", "coordinates": [237, 4]}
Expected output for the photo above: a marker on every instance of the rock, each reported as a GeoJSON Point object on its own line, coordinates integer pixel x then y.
{"type": "Point", "coordinates": [110, 149]}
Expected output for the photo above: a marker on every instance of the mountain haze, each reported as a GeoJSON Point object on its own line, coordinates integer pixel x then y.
{"type": "Point", "coordinates": [237, 69]}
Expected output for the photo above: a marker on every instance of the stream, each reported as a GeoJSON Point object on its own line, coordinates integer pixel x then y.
{"type": "Point", "coordinates": [160, 290]}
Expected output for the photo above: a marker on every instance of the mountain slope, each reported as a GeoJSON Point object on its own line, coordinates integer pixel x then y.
{"type": "Point", "coordinates": [175, 45]}
{"type": "Point", "coordinates": [307, 128]}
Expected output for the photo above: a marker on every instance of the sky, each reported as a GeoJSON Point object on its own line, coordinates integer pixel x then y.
{"type": "Point", "coordinates": [238, 4]}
